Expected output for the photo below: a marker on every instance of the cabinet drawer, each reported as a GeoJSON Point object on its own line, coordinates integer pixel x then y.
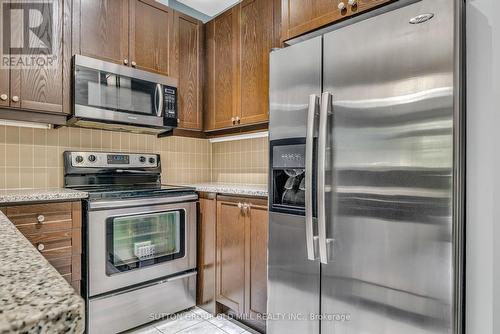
{"type": "Point", "coordinates": [36, 209]}
{"type": "Point", "coordinates": [29, 224]}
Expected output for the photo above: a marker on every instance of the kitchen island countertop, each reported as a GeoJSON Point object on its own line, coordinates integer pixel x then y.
{"type": "Point", "coordinates": [35, 298]}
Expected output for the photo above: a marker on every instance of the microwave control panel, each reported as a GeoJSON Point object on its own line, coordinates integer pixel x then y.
{"type": "Point", "coordinates": [170, 102]}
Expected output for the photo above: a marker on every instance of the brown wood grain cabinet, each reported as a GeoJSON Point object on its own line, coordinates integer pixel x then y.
{"type": "Point", "coordinates": [101, 29]}
{"type": "Point", "coordinates": [223, 79]}
{"type": "Point", "coordinates": [238, 43]}
{"type": "Point", "coordinates": [137, 33]}
{"type": "Point", "coordinates": [230, 255]}
{"type": "Point", "coordinates": [207, 219]}
{"type": "Point", "coordinates": [151, 36]}
{"type": "Point", "coordinates": [189, 36]}
{"type": "Point", "coordinates": [55, 229]}
{"type": "Point", "coordinates": [302, 16]}
{"type": "Point", "coordinates": [242, 225]}
{"type": "Point", "coordinates": [256, 42]}
{"type": "Point", "coordinates": [41, 89]}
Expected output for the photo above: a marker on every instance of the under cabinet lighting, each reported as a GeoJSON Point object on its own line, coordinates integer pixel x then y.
{"type": "Point", "coordinates": [240, 137]}
{"type": "Point", "coordinates": [23, 124]}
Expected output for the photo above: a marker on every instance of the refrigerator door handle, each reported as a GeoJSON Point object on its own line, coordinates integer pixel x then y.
{"type": "Point", "coordinates": [326, 100]}
{"type": "Point", "coordinates": [311, 239]}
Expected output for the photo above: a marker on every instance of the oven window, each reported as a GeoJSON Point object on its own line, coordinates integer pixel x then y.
{"type": "Point", "coordinates": [140, 241]}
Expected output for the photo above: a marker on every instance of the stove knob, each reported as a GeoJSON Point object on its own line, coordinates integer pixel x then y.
{"type": "Point", "coordinates": [142, 159]}
{"type": "Point", "coordinates": [92, 158]}
{"type": "Point", "coordinates": [152, 160]}
{"type": "Point", "coordinates": [79, 159]}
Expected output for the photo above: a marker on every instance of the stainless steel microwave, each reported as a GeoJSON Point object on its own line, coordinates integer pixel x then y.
{"type": "Point", "coordinates": [118, 97]}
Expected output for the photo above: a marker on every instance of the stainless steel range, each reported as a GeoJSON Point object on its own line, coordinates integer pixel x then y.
{"type": "Point", "coordinates": [140, 239]}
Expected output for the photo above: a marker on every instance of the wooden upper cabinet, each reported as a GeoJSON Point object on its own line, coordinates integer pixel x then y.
{"type": "Point", "coordinates": [256, 42]}
{"type": "Point", "coordinates": [39, 88]}
{"type": "Point", "coordinates": [100, 29]}
{"type": "Point", "coordinates": [223, 71]}
{"type": "Point", "coordinates": [151, 36]}
{"type": "Point", "coordinates": [230, 288]}
{"type": "Point", "coordinates": [189, 58]}
{"type": "Point", "coordinates": [238, 45]}
{"type": "Point", "coordinates": [302, 16]}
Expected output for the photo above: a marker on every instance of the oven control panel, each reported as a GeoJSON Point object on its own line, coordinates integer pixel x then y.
{"type": "Point", "coordinates": [114, 160]}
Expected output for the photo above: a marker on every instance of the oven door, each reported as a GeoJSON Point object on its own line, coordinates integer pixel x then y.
{"type": "Point", "coordinates": [133, 245]}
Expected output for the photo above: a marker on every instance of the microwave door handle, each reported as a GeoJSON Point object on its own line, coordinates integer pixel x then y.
{"type": "Point", "coordinates": [311, 239]}
{"type": "Point", "coordinates": [326, 100]}
{"type": "Point", "coordinates": [158, 100]}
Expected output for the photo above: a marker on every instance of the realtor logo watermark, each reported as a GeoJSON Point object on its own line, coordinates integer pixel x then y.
{"type": "Point", "coordinates": [27, 34]}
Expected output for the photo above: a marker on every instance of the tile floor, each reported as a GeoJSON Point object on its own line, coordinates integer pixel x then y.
{"type": "Point", "coordinates": [193, 321]}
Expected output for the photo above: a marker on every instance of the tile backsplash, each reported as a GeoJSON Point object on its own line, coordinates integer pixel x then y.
{"type": "Point", "coordinates": [242, 161]}
{"type": "Point", "coordinates": [32, 158]}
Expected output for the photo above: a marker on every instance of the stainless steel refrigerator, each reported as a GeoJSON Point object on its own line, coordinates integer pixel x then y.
{"type": "Point", "coordinates": [366, 176]}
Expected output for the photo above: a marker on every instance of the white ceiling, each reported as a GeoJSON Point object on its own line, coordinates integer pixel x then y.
{"type": "Point", "coordinates": [209, 7]}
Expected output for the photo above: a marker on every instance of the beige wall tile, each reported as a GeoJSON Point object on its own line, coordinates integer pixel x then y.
{"type": "Point", "coordinates": [33, 157]}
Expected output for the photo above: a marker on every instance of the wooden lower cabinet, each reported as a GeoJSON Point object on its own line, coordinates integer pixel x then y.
{"type": "Point", "coordinates": [55, 229]}
{"type": "Point", "coordinates": [231, 244]}
{"type": "Point", "coordinates": [207, 218]}
{"type": "Point", "coordinates": [232, 256]}
{"type": "Point", "coordinates": [241, 275]}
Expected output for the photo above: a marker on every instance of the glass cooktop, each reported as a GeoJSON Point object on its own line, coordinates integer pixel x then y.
{"type": "Point", "coordinates": [132, 191]}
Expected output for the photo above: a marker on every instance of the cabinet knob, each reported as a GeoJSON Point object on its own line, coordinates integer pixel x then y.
{"type": "Point", "coordinates": [40, 247]}
{"type": "Point", "coordinates": [238, 120]}
{"type": "Point", "coordinates": [352, 2]}
{"type": "Point", "coordinates": [40, 218]}
{"type": "Point", "coordinates": [133, 63]}
{"type": "Point", "coordinates": [4, 97]}
{"type": "Point", "coordinates": [233, 120]}
{"type": "Point", "coordinates": [125, 61]}
{"type": "Point", "coordinates": [341, 6]}
{"type": "Point", "coordinates": [15, 98]}
{"type": "Point", "coordinates": [246, 208]}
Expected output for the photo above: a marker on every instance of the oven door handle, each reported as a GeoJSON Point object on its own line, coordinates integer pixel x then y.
{"type": "Point", "coordinates": [116, 204]}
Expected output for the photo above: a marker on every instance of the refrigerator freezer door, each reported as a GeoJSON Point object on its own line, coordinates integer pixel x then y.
{"type": "Point", "coordinates": [293, 279]}
{"type": "Point", "coordinates": [295, 74]}
{"type": "Point", "coordinates": [389, 173]}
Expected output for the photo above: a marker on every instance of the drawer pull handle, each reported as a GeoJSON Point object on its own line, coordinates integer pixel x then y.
{"type": "Point", "coordinates": [40, 247]}
{"type": "Point", "coordinates": [40, 218]}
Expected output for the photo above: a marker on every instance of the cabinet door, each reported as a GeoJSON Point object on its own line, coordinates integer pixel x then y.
{"type": "Point", "coordinates": [207, 218]}
{"type": "Point", "coordinates": [302, 16]}
{"type": "Point", "coordinates": [151, 36]}
{"type": "Point", "coordinates": [40, 88]}
{"type": "Point", "coordinates": [223, 70]}
{"type": "Point", "coordinates": [189, 37]}
{"type": "Point", "coordinates": [364, 5]}
{"type": "Point", "coordinates": [256, 42]}
{"type": "Point", "coordinates": [230, 256]}
{"type": "Point", "coordinates": [256, 258]}
{"type": "Point", "coordinates": [100, 29]}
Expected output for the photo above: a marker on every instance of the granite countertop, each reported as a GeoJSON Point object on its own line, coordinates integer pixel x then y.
{"type": "Point", "coordinates": [39, 195]}
{"type": "Point", "coordinates": [34, 297]}
{"type": "Point", "coordinates": [257, 190]}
